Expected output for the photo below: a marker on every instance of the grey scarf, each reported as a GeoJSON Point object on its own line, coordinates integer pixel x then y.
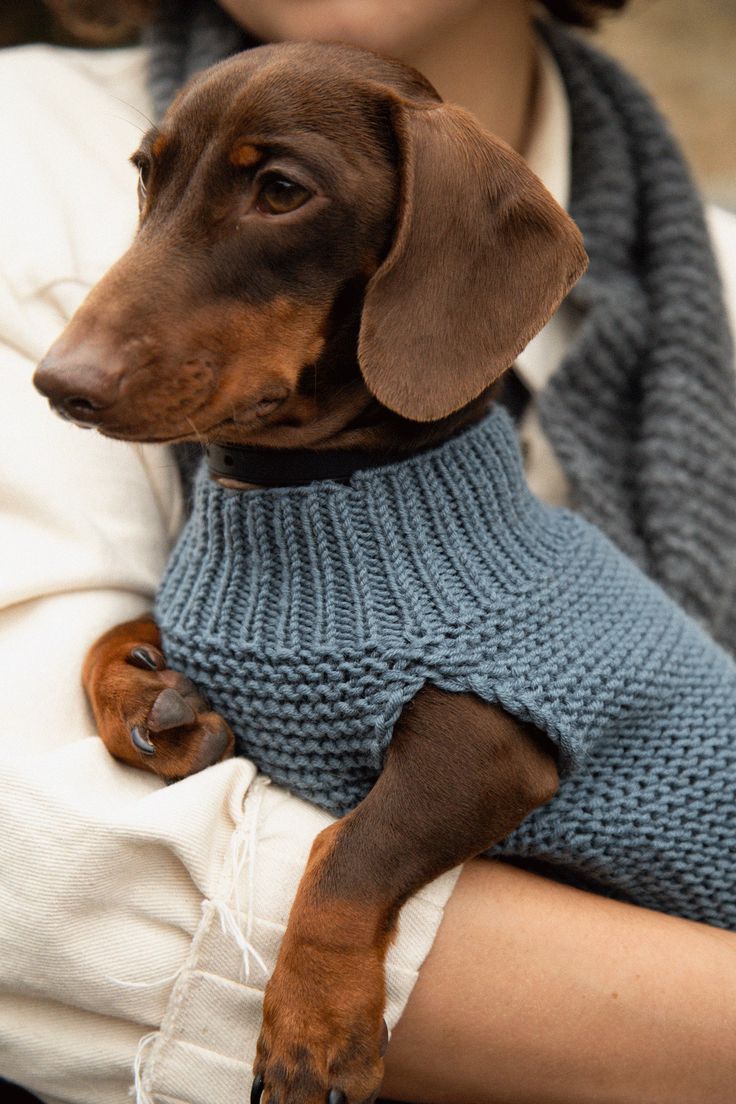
{"type": "Point", "coordinates": [642, 412]}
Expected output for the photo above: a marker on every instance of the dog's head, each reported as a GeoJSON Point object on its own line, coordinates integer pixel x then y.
{"type": "Point", "coordinates": [296, 197]}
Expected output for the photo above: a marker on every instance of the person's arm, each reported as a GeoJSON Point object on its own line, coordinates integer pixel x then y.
{"type": "Point", "coordinates": [536, 993]}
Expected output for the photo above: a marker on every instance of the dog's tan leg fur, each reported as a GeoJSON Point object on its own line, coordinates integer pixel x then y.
{"type": "Point", "coordinates": [323, 1010]}
{"type": "Point", "coordinates": [129, 687]}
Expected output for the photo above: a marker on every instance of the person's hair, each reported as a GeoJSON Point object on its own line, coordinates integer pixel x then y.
{"type": "Point", "coordinates": [582, 13]}
{"type": "Point", "coordinates": [115, 20]}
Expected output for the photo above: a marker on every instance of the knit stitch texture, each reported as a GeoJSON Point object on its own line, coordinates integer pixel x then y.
{"type": "Point", "coordinates": [310, 616]}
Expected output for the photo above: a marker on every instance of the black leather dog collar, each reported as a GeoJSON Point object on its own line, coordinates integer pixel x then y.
{"type": "Point", "coordinates": [288, 467]}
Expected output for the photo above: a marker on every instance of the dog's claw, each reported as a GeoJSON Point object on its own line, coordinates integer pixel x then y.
{"type": "Point", "coordinates": [336, 1097]}
{"type": "Point", "coordinates": [139, 736]}
{"type": "Point", "coordinates": [257, 1089]}
{"type": "Point", "coordinates": [385, 1036]}
{"type": "Point", "coordinates": [170, 710]}
{"type": "Point", "coordinates": [145, 658]}
{"type": "Point", "coordinates": [215, 745]}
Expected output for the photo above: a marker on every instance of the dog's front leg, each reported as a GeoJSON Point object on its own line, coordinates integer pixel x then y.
{"type": "Point", "coordinates": [459, 776]}
{"type": "Point", "coordinates": [148, 715]}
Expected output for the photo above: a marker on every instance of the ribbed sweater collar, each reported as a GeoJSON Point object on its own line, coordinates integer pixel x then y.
{"type": "Point", "coordinates": [400, 552]}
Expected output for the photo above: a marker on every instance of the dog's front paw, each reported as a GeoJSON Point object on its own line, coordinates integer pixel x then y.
{"type": "Point", "coordinates": [148, 715]}
{"type": "Point", "coordinates": [323, 1036]}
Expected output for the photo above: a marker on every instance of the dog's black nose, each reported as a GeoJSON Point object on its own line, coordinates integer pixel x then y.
{"type": "Point", "coordinates": [75, 387]}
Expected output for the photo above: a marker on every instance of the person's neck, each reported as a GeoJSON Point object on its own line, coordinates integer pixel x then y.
{"type": "Point", "coordinates": [486, 63]}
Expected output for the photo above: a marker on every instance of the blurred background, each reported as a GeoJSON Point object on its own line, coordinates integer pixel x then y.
{"type": "Point", "coordinates": [683, 51]}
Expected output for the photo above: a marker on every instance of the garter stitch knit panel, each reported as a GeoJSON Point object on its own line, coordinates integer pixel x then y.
{"type": "Point", "coordinates": [310, 616]}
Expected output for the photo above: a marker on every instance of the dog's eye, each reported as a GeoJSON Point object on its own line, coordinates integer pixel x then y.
{"type": "Point", "coordinates": [278, 195]}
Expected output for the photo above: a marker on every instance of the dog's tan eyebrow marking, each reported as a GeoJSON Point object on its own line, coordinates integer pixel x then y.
{"type": "Point", "coordinates": [152, 144]}
{"type": "Point", "coordinates": [158, 145]}
{"type": "Point", "coordinates": [245, 154]}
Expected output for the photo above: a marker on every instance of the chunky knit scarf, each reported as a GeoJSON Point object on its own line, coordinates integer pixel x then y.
{"type": "Point", "coordinates": [642, 412]}
{"type": "Point", "coordinates": [310, 616]}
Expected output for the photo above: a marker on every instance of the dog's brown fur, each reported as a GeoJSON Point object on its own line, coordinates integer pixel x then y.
{"type": "Point", "coordinates": [378, 314]}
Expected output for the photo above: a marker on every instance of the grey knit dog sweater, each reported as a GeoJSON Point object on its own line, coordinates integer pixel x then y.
{"type": "Point", "coordinates": [310, 616]}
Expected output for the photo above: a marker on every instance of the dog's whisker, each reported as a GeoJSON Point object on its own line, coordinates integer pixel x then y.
{"type": "Point", "coordinates": [199, 435]}
{"type": "Point", "coordinates": [136, 109]}
{"type": "Point", "coordinates": [130, 122]}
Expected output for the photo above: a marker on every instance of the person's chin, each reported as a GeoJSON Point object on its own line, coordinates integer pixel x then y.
{"type": "Point", "coordinates": [386, 26]}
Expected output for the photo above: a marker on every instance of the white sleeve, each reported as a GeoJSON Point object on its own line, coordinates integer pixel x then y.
{"type": "Point", "coordinates": [86, 525]}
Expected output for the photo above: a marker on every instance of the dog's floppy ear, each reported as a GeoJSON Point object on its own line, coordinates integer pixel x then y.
{"type": "Point", "coordinates": [482, 256]}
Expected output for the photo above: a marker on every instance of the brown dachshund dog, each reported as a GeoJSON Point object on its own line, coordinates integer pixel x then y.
{"type": "Point", "coordinates": [328, 257]}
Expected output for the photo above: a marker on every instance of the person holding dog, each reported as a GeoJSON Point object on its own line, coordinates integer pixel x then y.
{"type": "Point", "coordinates": [512, 1007]}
